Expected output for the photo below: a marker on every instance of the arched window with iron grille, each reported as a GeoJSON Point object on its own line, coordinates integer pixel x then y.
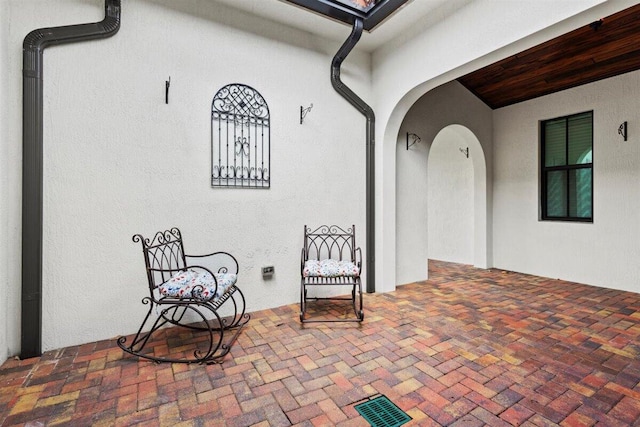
{"type": "Point", "coordinates": [240, 138]}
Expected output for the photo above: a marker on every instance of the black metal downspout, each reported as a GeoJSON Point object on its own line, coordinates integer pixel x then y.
{"type": "Point", "coordinates": [32, 156]}
{"type": "Point", "coordinates": [365, 109]}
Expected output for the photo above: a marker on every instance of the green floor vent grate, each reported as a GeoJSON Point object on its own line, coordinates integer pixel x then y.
{"type": "Point", "coordinates": [381, 412]}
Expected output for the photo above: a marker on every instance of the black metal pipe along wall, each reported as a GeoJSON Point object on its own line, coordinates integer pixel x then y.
{"type": "Point", "coordinates": [32, 171]}
{"type": "Point", "coordinates": [365, 109]}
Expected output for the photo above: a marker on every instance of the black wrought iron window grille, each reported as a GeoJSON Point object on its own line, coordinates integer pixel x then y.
{"type": "Point", "coordinates": [240, 138]}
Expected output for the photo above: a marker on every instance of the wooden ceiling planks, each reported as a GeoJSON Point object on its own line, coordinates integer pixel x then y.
{"type": "Point", "coordinates": [582, 56]}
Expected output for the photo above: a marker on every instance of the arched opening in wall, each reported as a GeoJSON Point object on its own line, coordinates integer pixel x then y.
{"type": "Point", "coordinates": [441, 199]}
{"type": "Point", "coordinates": [461, 117]}
{"type": "Point", "coordinates": [450, 199]}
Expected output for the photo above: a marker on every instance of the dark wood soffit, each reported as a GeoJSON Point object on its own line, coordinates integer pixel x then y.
{"type": "Point", "coordinates": [582, 56]}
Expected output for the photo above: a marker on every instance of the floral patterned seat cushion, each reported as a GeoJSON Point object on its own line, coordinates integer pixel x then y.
{"type": "Point", "coordinates": [330, 268]}
{"type": "Point", "coordinates": [184, 283]}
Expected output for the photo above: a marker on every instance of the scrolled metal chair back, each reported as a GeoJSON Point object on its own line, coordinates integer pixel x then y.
{"type": "Point", "coordinates": [330, 242]}
{"type": "Point", "coordinates": [163, 256]}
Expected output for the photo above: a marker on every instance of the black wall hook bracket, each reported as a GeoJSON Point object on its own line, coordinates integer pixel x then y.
{"type": "Point", "coordinates": [167, 83]}
{"type": "Point", "coordinates": [412, 138]}
{"type": "Point", "coordinates": [622, 130]}
{"type": "Point", "coordinates": [304, 112]}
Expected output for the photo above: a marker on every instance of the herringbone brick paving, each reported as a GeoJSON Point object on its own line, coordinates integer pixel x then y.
{"type": "Point", "coordinates": [468, 347]}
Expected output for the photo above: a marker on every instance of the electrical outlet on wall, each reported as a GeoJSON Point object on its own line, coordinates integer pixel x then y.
{"type": "Point", "coordinates": [267, 272]}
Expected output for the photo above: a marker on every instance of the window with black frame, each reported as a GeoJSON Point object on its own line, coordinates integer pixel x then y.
{"type": "Point", "coordinates": [567, 168]}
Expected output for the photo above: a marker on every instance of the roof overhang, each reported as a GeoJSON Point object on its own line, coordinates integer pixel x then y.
{"type": "Point", "coordinates": [602, 49]}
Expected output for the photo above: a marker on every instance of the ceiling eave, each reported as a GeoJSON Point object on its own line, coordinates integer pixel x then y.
{"type": "Point", "coordinates": [602, 49]}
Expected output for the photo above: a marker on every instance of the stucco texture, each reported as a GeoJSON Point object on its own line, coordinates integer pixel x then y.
{"type": "Point", "coordinates": [119, 161]}
{"type": "Point", "coordinates": [600, 253]}
{"type": "Point", "coordinates": [5, 291]}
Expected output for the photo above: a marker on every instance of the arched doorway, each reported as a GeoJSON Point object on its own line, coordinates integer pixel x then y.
{"type": "Point", "coordinates": [449, 112]}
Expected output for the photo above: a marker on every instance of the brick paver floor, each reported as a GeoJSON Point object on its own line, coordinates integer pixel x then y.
{"type": "Point", "coordinates": [468, 347]}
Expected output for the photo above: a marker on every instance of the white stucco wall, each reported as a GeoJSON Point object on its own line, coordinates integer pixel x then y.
{"type": "Point", "coordinates": [603, 253]}
{"type": "Point", "coordinates": [453, 107]}
{"type": "Point", "coordinates": [478, 34]}
{"type": "Point", "coordinates": [450, 198]}
{"type": "Point", "coordinates": [119, 161]}
{"type": "Point", "coordinates": [411, 192]}
{"type": "Point", "coordinates": [4, 165]}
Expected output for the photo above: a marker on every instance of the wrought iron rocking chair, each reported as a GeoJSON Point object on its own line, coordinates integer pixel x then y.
{"type": "Point", "coordinates": [330, 258]}
{"type": "Point", "coordinates": [181, 292]}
